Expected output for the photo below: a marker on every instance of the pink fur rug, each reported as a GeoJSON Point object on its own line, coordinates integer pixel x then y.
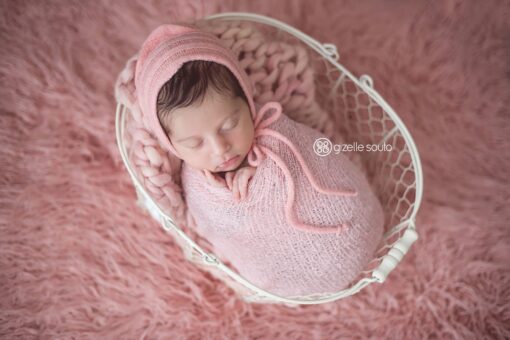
{"type": "Point", "coordinates": [79, 259]}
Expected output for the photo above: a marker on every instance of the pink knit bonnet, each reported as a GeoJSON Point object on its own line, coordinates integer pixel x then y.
{"type": "Point", "coordinates": [164, 51]}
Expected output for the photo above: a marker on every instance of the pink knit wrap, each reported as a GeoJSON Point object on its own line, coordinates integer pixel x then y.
{"type": "Point", "coordinates": [309, 225]}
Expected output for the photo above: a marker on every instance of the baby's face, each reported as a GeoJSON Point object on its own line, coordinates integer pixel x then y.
{"type": "Point", "coordinates": [207, 135]}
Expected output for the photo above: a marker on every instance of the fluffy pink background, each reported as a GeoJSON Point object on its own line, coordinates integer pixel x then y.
{"type": "Point", "coordinates": [78, 258]}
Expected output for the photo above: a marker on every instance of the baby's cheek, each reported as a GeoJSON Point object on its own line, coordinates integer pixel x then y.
{"type": "Point", "coordinates": [239, 140]}
{"type": "Point", "coordinates": [249, 135]}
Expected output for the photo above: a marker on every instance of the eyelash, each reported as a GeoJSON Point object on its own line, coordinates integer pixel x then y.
{"type": "Point", "coordinates": [196, 146]}
{"type": "Point", "coordinates": [233, 126]}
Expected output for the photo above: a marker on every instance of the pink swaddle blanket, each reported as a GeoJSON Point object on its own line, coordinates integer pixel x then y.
{"type": "Point", "coordinates": [310, 224]}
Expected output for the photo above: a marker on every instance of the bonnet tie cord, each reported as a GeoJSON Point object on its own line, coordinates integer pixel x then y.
{"type": "Point", "coordinates": [258, 152]}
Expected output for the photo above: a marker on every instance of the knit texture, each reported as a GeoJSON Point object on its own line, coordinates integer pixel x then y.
{"type": "Point", "coordinates": [257, 236]}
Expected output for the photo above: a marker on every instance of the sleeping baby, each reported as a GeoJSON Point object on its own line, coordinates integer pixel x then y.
{"type": "Point", "coordinates": [289, 221]}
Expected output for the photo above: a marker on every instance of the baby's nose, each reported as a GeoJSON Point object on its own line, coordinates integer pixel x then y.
{"type": "Point", "coordinates": [220, 145]}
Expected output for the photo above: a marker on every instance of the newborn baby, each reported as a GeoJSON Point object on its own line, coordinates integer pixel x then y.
{"type": "Point", "coordinates": [289, 221]}
{"type": "Point", "coordinates": [215, 133]}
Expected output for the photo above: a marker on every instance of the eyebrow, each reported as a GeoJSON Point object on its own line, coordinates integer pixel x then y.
{"type": "Point", "coordinates": [227, 117]}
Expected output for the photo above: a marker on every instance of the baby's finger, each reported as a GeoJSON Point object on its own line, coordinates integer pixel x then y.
{"type": "Point", "coordinates": [237, 195]}
{"type": "Point", "coordinates": [244, 189]}
{"type": "Point", "coordinates": [213, 179]}
{"type": "Point", "coordinates": [228, 178]}
{"type": "Point", "coordinates": [208, 176]}
{"type": "Point", "coordinates": [243, 185]}
{"type": "Point", "coordinates": [235, 186]}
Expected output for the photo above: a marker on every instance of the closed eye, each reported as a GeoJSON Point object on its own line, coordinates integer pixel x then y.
{"type": "Point", "coordinates": [232, 123]}
{"type": "Point", "coordinates": [196, 146]}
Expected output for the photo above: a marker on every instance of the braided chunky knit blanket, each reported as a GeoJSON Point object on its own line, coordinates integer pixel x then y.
{"type": "Point", "coordinates": [309, 225]}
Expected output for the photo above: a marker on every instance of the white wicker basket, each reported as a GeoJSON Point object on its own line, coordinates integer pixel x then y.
{"type": "Point", "coordinates": [365, 117]}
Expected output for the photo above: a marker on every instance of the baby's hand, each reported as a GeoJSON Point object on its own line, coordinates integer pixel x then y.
{"type": "Point", "coordinates": [214, 179]}
{"type": "Point", "coordinates": [237, 181]}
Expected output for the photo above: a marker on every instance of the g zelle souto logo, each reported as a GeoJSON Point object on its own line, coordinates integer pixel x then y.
{"type": "Point", "coordinates": [322, 147]}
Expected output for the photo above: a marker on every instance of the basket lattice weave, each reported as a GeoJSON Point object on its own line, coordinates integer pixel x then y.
{"type": "Point", "coordinates": [362, 117]}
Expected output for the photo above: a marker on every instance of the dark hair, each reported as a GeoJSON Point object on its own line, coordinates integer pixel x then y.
{"type": "Point", "coordinates": [190, 84]}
